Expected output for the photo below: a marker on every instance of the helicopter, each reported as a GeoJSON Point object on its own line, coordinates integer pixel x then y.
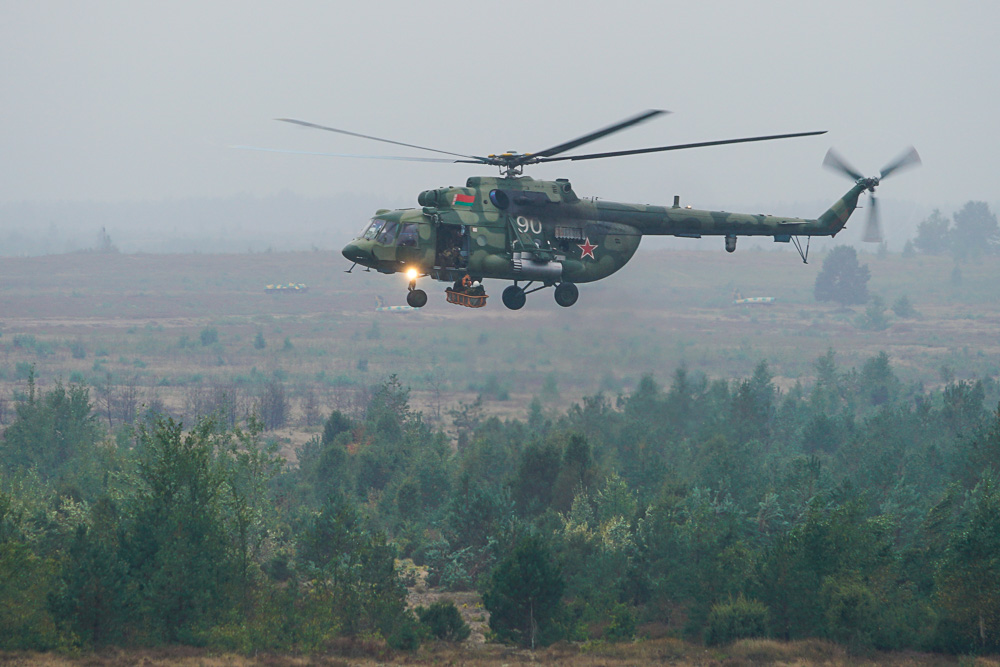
{"type": "Point", "coordinates": [539, 234]}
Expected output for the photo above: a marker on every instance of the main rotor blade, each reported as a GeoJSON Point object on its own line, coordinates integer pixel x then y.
{"type": "Point", "coordinates": [873, 226]}
{"type": "Point", "coordinates": [836, 163]}
{"type": "Point", "coordinates": [677, 147]}
{"type": "Point", "coordinates": [387, 141]}
{"type": "Point", "coordinates": [368, 157]}
{"type": "Point", "coordinates": [610, 129]}
{"type": "Point", "coordinates": [909, 158]}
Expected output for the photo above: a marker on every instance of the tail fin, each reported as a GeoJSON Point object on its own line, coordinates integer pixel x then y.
{"type": "Point", "coordinates": [835, 217]}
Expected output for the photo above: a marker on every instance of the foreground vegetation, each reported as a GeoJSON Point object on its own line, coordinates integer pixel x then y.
{"type": "Point", "coordinates": [861, 510]}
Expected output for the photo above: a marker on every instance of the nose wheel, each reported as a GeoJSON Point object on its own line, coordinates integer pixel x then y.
{"type": "Point", "coordinates": [416, 298]}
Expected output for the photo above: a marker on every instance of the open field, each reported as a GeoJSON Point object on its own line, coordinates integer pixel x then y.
{"type": "Point", "coordinates": [140, 320]}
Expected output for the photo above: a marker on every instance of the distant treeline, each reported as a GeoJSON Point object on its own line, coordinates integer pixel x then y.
{"type": "Point", "coordinates": [209, 225]}
{"type": "Point", "coordinates": [859, 509]}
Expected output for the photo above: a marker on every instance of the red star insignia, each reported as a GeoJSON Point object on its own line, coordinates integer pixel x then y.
{"type": "Point", "coordinates": [586, 249]}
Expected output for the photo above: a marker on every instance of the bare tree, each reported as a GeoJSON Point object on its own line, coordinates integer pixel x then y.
{"type": "Point", "coordinates": [310, 407]}
{"type": "Point", "coordinates": [153, 405]}
{"type": "Point", "coordinates": [436, 383]}
{"type": "Point", "coordinates": [127, 399]}
{"type": "Point", "coordinates": [106, 391]}
{"type": "Point", "coordinates": [195, 403]}
{"type": "Point", "coordinates": [225, 400]}
{"type": "Point", "coordinates": [272, 405]}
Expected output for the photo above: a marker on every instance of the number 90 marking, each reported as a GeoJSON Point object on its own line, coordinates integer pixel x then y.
{"type": "Point", "coordinates": [524, 224]}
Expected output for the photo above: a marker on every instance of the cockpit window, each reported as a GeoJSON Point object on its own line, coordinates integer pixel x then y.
{"type": "Point", "coordinates": [388, 235]}
{"type": "Point", "coordinates": [408, 235]}
{"type": "Point", "coordinates": [373, 229]}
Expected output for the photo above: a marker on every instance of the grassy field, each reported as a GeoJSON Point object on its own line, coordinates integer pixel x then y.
{"type": "Point", "coordinates": [142, 320]}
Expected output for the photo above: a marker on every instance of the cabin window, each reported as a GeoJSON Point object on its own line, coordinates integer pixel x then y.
{"type": "Point", "coordinates": [408, 235]}
{"type": "Point", "coordinates": [388, 234]}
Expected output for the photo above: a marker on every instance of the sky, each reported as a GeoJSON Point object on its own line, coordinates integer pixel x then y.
{"type": "Point", "coordinates": [129, 101]}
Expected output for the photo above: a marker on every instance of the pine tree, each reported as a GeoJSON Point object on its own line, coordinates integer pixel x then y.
{"type": "Point", "coordinates": [842, 278]}
{"type": "Point", "coordinates": [523, 595]}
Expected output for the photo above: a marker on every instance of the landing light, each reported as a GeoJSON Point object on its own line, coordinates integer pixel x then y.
{"type": "Point", "coordinates": [411, 274]}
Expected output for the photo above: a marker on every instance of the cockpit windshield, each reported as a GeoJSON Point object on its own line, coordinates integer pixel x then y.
{"type": "Point", "coordinates": [372, 229]}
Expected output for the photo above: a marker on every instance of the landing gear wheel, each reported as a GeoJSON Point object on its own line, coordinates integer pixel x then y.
{"type": "Point", "coordinates": [513, 297]}
{"type": "Point", "coordinates": [416, 298]}
{"type": "Point", "coordinates": [566, 294]}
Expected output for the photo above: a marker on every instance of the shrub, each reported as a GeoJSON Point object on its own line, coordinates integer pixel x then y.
{"type": "Point", "coordinates": [736, 619]}
{"type": "Point", "coordinates": [850, 612]}
{"type": "Point", "coordinates": [405, 636]}
{"type": "Point", "coordinates": [904, 308]}
{"type": "Point", "coordinates": [444, 621]}
{"type": "Point", "coordinates": [622, 626]}
{"type": "Point", "coordinates": [209, 335]}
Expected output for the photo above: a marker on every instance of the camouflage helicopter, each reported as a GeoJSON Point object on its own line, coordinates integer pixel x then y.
{"type": "Point", "coordinates": [539, 234]}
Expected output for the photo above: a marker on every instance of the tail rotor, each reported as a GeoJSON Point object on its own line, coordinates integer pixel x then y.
{"type": "Point", "coordinates": [906, 160]}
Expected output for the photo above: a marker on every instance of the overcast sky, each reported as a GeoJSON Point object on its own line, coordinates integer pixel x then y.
{"type": "Point", "coordinates": [123, 101]}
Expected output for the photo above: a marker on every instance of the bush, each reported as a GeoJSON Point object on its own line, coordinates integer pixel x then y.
{"type": "Point", "coordinates": [736, 619]}
{"type": "Point", "coordinates": [904, 308]}
{"type": "Point", "coordinates": [444, 621]}
{"type": "Point", "coordinates": [622, 626]}
{"type": "Point", "coordinates": [209, 335]}
{"type": "Point", "coordinates": [850, 612]}
{"type": "Point", "coordinates": [405, 636]}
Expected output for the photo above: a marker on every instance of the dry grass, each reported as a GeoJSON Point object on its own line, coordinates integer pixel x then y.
{"type": "Point", "coordinates": [652, 652]}
{"type": "Point", "coordinates": [667, 308]}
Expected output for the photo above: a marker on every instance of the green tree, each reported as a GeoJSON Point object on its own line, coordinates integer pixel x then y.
{"type": "Point", "coordinates": [94, 599]}
{"type": "Point", "coordinates": [523, 595]}
{"type": "Point", "coordinates": [934, 235]}
{"type": "Point", "coordinates": [753, 408]}
{"type": "Point", "coordinates": [25, 580]}
{"type": "Point", "coordinates": [576, 472]}
{"type": "Point", "coordinates": [258, 342]}
{"type": "Point", "coordinates": [976, 230]}
{"type": "Point", "coordinates": [536, 476]}
{"type": "Point", "coordinates": [874, 317]}
{"type": "Point", "coordinates": [968, 581]}
{"type": "Point", "coordinates": [842, 278]}
{"type": "Point", "coordinates": [177, 543]}
{"type": "Point", "coordinates": [352, 570]}
{"type": "Point", "coordinates": [56, 434]}
{"type": "Point", "coordinates": [247, 465]}
{"type": "Point", "coordinates": [903, 307]}
{"type": "Point", "coordinates": [878, 383]}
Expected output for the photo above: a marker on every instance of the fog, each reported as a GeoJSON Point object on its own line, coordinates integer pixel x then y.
{"type": "Point", "coordinates": [113, 103]}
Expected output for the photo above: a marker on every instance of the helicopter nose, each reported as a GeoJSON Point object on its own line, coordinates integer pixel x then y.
{"type": "Point", "coordinates": [354, 253]}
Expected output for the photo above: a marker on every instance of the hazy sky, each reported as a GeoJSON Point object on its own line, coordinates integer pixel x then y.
{"type": "Point", "coordinates": [114, 101]}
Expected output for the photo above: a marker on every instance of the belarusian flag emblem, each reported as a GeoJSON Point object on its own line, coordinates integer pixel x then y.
{"type": "Point", "coordinates": [463, 200]}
